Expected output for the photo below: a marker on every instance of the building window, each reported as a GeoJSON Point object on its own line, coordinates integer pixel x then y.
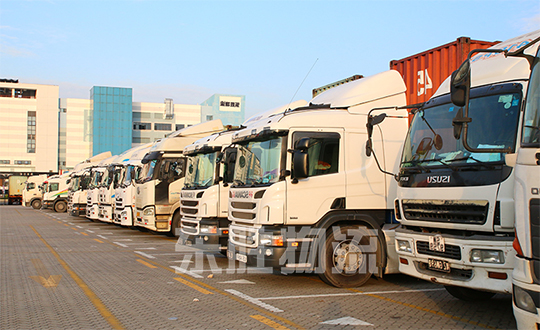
{"type": "Point", "coordinates": [162, 127]}
{"type": "Point", "coordinates": [31, 133]}
{"type": "Point", "coordinates": [142, 126]}
{"type": "Point", "coordinates": [23, 162]}
{"type": "Point", "coordinates": [25, 93]}
{"type": "Point", "coordinates": [137, 139]}
{"type": "Point", "coordinates": [209, 117]}
{"type": "Point", "coordinates": [179, 126]}
{"type": "Point", "coordinates": [4, 162]}
{"type": "Point", "coordinates": [6, 92]}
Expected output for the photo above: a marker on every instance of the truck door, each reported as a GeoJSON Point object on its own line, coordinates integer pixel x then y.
{"type": "Point", "coordinates": [310, 198]}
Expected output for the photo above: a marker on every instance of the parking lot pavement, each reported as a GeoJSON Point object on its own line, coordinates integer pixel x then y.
{"type": "Point", "coordinates": [60, 271]}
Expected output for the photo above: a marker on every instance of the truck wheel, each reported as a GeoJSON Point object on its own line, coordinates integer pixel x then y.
{"type": "Point", "coordinates": [36, 204]}
{"type": "Point", "coordinates": [60, 206]}
{"type": "Point", "coordinates": [467, 294]}
{"type": "Point", "coordinates": [349, 258]}
{"type": "Point", "coordinates": [175, 225]}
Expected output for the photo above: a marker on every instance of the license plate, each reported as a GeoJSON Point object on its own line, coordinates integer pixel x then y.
{"type": "Point", "coordinates": [439, 265]}
{"type": "Point", "coordinates": [436, 243]}
{"type": "Point", "coordinates": [242, 258]}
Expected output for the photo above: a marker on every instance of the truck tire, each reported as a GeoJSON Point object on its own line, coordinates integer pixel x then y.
{"type": "Point", "coordinates": [36, 204]}
{"type": "Point", "coordinates": [349, 258]}
{"type": "Point", "coordinates": [60, 206]}
{"type": "Point", "coordinates": [467, 294]}
{"type": "Point", "coordinates": [175, 225]}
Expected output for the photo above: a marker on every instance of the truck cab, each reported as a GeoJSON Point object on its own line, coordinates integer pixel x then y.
{"type": "Point", "coordinates": [56, 193]}
{"type": "Point", "coordinates": [32, 195]}
{"type": "Point", "coordinates": [204, 197]}
{"type": "Point", "coordinates": [157, 199]}
{"type": "Point", "coordinates": [456, 203]}
{"type": "Point", "coordinates": [305, 196]}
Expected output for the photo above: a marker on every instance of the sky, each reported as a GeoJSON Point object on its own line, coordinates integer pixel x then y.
{"type": "Point", "coordinates": [273, 52]}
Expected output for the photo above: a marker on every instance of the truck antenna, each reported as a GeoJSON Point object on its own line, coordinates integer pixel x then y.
{"type": "Point", "coordinates": [302, 83]}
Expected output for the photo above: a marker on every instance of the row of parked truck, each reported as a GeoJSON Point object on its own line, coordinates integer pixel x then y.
{"type": "Point", "coordinates": [344, 186]}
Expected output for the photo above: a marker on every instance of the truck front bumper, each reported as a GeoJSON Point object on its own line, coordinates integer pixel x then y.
{"type": "Point", "coordinates": [456, 265]}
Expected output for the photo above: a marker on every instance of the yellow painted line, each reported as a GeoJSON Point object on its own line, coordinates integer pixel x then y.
{"type": "Point", "coordinates": [73, 228]}
{"type": "Point", "coordinates": [65, 224]}
{"type": "Point", "coordinates": [237, 299]}
{"type": "Point", "coordinates": [97, 240]}
{"type": "Point", "coordinates": [193, 286]}
{"type": "Point", "coordinates": [146, 264]}
{"type": "Point", "coordinates": [457, 318]}
{"type": "Point", "coordinates": [103, 310]}
{"type": "Point", "coordinates": [85, 234]}
{"type": "Point", "coordinates": [18, 212]}
{"type": "Point", "coordinates": [268, 322]}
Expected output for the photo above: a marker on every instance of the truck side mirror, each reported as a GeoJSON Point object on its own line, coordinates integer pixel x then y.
{"type": "Point", "coordinates": [372, 121]}
{"type": "Point", "coordinates": [460, 84]}
{"type": "Point", "coordinates": [300, 160]}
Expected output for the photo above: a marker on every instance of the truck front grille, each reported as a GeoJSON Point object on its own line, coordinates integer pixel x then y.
{"type": "Point", "coordinates": [470, 212]}
{"type": "Point", "coordinates": [243, 236]}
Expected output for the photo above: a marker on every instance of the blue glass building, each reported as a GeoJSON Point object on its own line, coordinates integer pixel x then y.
{"type": "Point", "coordinates": [111, 119]}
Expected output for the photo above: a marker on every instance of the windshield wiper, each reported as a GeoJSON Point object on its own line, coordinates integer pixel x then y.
{"type": "Point", "coordinates": [486, 164]}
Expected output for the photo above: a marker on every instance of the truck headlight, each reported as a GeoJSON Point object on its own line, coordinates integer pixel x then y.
{"type": "Point", "coordinates": [271, 240]}
{"type": "Point", "coordinates": [148, 211]}
{"type": "Point", "coordinates": [208, 229]}
{"type": "Point", "coordinates": [487, 256]}
{"type": "Point", "coordinates": [404, 246]}
{"type": "Point", "coordinates": [523, 300]}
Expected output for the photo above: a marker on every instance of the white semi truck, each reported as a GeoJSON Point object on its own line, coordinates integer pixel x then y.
{"type": "Point", "coordinates": [124, 206]}
{"type": "Point", "coordinates": [205, 196]}
{"type": "Point", "coordinates": [305, 196]}
{"type": "Point", "coordinates": [526, 164]}
{"type": "Point", "coordinates": [157, 199]}
{"type": "Point", "coordinates": [456, 206]}
{"type": "Point", "coordinates": [526, 274]}
{"type": "Point", "coordinates": [92, 198]}
{"type": "Point", "coordinates": [31, 194]}
{"type": "Point", "coordinates": [79, 183]}
{"type": "Point", "coordinates": [56, 193]}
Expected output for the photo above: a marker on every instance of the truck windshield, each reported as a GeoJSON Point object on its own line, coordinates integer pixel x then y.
{"type": "Point", "coordinates": [118, 175]}
{"type": "Point", "coordinates": [431, 143]}
{"type": "Point", "coordinates": [126, 181]}
{"type": "Point", "coordinates": [96, 179]}
{"type": "Point", "coordinates": [531, 122]}
{"type": "Point", "coordinates": [200, 170]}
{"type": "Point", "coordinates": [147, 171]}
{"type": "Point", "coordinates": [106, 178]}
{"type": "Point", "coordinates": [258, 162]}
{"type": "Point", "coordinates": [74, 184]}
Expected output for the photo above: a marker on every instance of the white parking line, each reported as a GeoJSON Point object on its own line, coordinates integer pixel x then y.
{"type": "Point", "coordinates": [88, 230]}
{"type": "Point", "coordinates": [120, 244]}
{"type": "Point", "coordinates": [185, 271]}
{"type": "Point", "coordinates": [347, 294]}
{"type": "Point", "coordinates": [79, 227]}
{"type": "Point", "coordinates": [145, 254]}
{"type": "Point", "coordinates": [255, 301]}
{"type": "Point", "coordinates": [102, 236]}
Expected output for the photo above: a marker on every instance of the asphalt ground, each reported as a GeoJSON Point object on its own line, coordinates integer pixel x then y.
{"type": "Point", "coordinates": [63, 272]}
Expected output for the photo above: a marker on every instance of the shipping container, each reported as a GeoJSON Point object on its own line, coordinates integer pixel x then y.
{"type": "Point", "coordinates": [424, 72]}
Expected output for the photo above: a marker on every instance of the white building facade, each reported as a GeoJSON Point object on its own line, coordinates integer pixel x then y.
{"type": "Point", "coordinates": [28, 127]}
